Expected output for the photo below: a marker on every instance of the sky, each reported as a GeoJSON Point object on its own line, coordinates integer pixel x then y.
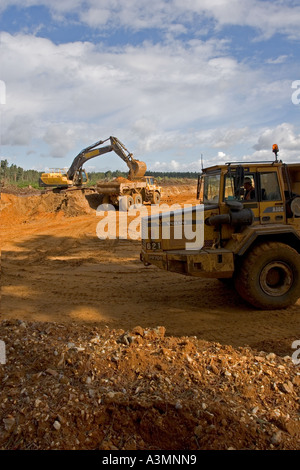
{"type": "Point", "coordinates": [172, 80]}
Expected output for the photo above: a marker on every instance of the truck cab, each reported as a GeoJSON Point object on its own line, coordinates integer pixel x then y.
{"type": "Point", "coordinates": [153, 191]}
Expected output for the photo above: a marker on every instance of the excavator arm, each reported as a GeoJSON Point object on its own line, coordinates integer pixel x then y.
{"type": "Point", "coordinates": [85, 155]}
{"type": "Point", "coordinates": [137, 169]}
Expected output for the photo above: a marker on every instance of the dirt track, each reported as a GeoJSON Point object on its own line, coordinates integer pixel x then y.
{"type": "Point", "coordinates": [55, 268]}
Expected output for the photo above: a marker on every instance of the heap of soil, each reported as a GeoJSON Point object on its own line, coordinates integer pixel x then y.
{"type": "Point", "coordinates": [72, 386]}
{"type": "Point", "coordinates": [71, 204]}
{"type": "Point", "coordinates": [121, 179]}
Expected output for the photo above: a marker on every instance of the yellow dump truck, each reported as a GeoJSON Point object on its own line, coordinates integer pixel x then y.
{"type": "Point", "coordinates": [124, 193]}
{"type": "Point", "coordinates": [248, 222]}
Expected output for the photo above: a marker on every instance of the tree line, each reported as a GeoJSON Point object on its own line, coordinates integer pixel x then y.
{"type": "Point", "coordinates": [159, 175]}
{"type": "Point", "coordinates": [13, 174]}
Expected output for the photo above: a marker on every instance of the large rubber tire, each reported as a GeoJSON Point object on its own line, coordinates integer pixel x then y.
{"type": "Point", "coordinates": [130, 201]}
{"type": "Point", "coordinates": [105, 202]}
{"type": "Point", "coordinates": [269, 277]}
{"type": "Point", "coordinates": [155, 198]}
{"type": "Point", "coordinates": [125, 202]}
{"type": "Point", "coordinates": [138, 199]}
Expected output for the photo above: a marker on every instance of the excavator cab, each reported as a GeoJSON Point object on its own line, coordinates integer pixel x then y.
{"type": "Point", "coordinates": [54, 179]}
{"type": "Point", "coordinates": [59, 179]}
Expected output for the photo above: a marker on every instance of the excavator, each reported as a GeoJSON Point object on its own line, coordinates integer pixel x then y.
{"type": "Point", "coordinates": [76, 176]}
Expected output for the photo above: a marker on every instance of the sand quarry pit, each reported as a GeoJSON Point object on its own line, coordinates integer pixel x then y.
{"type": "Point", "coordinates": [105, 353]}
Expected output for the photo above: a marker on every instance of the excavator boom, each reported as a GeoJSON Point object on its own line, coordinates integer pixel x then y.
{"type": "Point", "coordinates": [85, 155]}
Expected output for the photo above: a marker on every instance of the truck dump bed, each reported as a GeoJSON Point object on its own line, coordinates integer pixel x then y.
{"type": "Point", "coordinates": [119, 187]}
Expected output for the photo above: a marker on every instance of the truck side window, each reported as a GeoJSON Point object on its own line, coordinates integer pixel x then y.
{"type": "Point", "coordinates": [270, 190]}
{"type": "Point", "coordinates": [249, 188]}
{"type": "Point", "coordinates": [246, 192]}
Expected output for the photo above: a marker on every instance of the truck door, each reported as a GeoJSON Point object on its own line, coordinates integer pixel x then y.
{"type": "Point", "coordinates": [250, 194]}
{"type": "Point", "coordinates": [271, 206]}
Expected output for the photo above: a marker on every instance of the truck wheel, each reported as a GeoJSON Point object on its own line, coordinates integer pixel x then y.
{"type": "Point", "coordinates": [130, 201]}
{"type": "Point", "coordinates": [125, 202]}
{"type": "Point", "coordinates": [105, 202]}
{"type": "Point", "coordinates": [269, 277]}
{"type": "Point", "coordinates": [155, 198]}
{"type": "Point", "coordinates": [138, 199]}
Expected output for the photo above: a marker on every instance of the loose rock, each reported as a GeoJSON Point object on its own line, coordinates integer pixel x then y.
{"type": "Point", "coordinates": [141, 390]}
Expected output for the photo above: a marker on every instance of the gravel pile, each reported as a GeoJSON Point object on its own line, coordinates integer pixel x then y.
{"type": "Point", "coordinates": [72, 386]}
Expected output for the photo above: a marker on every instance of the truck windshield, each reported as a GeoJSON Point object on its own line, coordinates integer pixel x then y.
{"type": "Point", "coordinates": [211, 188]}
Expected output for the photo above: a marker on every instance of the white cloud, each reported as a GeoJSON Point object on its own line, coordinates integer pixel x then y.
{"type": "Point", "coordinates": [141, 89]}
{"type": "Point", "coordinates": [17, 131]}
{"type": "Point", "coordinates": [221, 155]}
{"type": "Point", "coordinates": [265, 16]}
{"type": "Point", "coordinates": [279, 60]}
{"type": "Point", "coordinates": [225, 138]}
{"type": "Point", "coordinates": [166, 99]}
{"type": "Point", "coordinates": [174, 16]}
{"type": "Point", "coordinates": [176, 166]}
{"type": "Point", "coordinates": [181, 141]}
{"type": "Point", "coordinates": [61, 138]}
{"type": "Point", "coordinates": [286, 136]}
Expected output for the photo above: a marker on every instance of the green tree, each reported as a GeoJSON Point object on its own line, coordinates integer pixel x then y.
{"type": "Point", "coordinates": [20, 173]}
{"type": "Point", "coordinates": [4, 169]}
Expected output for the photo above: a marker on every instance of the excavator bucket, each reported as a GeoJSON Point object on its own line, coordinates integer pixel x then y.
{"type": "Point", "coordinates": [137, 170]}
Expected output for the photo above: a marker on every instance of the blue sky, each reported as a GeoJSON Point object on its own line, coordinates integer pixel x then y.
{"type": "Point", "coordinates": [171, 79]}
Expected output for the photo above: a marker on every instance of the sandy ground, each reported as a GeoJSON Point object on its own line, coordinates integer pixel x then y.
{"type": "Point", "coordinates": [55, 268]}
